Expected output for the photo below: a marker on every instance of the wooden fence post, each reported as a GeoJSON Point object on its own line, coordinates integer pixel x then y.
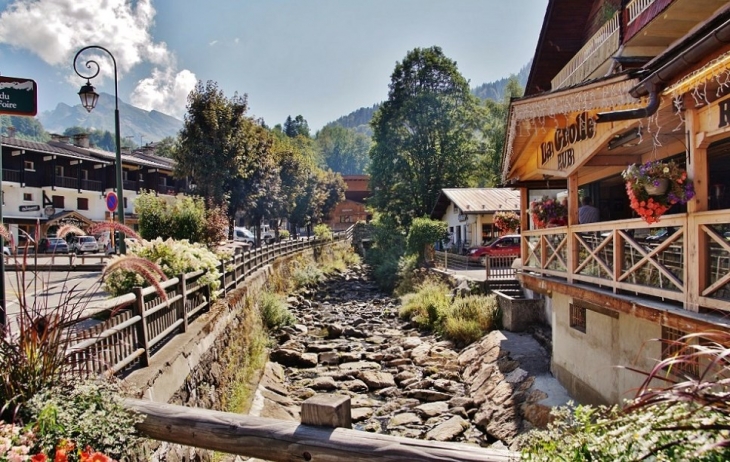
{"type": "Point", "coordinates": [331, 411]}
{"type": "Point", "coordinates": [144, 340]}
{"type": "Point", "coordinates": [223, 277]}
{"type": "Point", "coordinates": [184, 292]}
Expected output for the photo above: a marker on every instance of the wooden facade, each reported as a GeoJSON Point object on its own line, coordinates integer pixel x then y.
{"type": "Point", "coordinates": [594, 122]}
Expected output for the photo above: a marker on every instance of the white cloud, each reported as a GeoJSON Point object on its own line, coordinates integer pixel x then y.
{"type": "Point", "coordinates": [56, 29]}
{"type": "Point", "coordinates": [213, 42]}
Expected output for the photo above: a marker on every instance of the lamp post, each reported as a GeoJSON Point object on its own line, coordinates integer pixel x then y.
{"type": "Point", "coordinates": [89, 97]}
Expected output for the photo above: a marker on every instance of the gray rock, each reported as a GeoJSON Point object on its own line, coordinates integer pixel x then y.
{"type": "Point", "coordinates": [448, 430]}
{"type": "Point", "coordinates": [429, 410]}
{"type": "Point", "coordinates": [324, 384]}
{"type": "Point", "coordinates": [404, 419]}
{"type": "Point", "coordinates": [377, 380]}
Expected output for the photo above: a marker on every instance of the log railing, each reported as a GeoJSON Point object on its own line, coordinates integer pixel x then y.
{"type": "Point", "coordinates": [612, 255]}
{"type": "Point", "coordinates": [137, 325]}
{"type": "Point", "coordinates": [282, 440]}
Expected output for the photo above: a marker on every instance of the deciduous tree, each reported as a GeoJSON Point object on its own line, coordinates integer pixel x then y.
{"type": "Point", "coordinates": [425, 135]}
{"type": "Point", "coordinates": [343, 150]}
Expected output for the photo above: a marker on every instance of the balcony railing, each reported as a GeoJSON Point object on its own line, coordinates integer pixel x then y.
{"type": "Point", "coordinates": [636, 7]}
{"type": "Point", "coordinates": [609, 255]}
{"type": "Point", "coordinates": [129, 185]}
{"type": "Point", "coordinates": [91, 185]}
{"type": "Point", "coordinates": [11, 175]}
{"type": "Point", "coordinates": [601, 47]}
{"type": "Point", "coordinates": [65, 182]}
{"type": "Point", "coordinates": [165, 189]}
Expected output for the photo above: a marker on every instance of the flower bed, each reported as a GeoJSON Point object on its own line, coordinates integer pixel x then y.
{"type": "Point", "coordinates": [506, 221]}
{"type": "Point", "coordinates": [548, 210]}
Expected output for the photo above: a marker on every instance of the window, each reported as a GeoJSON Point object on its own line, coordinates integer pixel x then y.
{"type": "Point", "coordinates": [673, 347]}
{"type": "Point", "coordinates": [346, 219]}
{"type": "Point", "coordinates": [59, 170]}
{"type": "Point", "coordinates": [58, 202]}
{"type": "Point", "coordinates": [140, 177]}
{"type": "Point", "coordinates": [578, 317]}
{"type": "Point", "coordinates": [28, 197]}
{"type": "Point", "coordinates": [29, 165]}
{"type": "Point", "coordinates": [125, 175]}
{"type": "Point", "coordinates": [82, 203]}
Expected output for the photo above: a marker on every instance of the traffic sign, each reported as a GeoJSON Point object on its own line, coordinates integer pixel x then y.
{"type": "Point", "coordinates": [111, 201]}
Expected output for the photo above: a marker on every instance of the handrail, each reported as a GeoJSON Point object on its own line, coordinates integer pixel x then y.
{"type": "Point", "coordinates": [128, 340]}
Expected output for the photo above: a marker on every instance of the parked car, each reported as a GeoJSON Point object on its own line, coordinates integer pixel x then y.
{"type": "Point", "coordinates": [6, 251]}
{"type": "Point", "coordinates": [81, 244]}
{"type": "Point", "coordinates": [502, 246]}
{"type": "Point", "coordinates": [52, 245]}
{"type": "Point", "coordinates": [241, 234]}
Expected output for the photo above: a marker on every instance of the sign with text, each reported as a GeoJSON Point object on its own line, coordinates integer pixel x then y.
{"type": "Point", "coordinates": [18, 96]}
{"type": "Point", "coordinates": [562, 142]}
{"type": "Point", "coordinates": [29, 208]}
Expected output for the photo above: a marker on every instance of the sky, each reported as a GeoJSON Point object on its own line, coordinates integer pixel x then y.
{"type": "Point", "coordinates": [319, 58]}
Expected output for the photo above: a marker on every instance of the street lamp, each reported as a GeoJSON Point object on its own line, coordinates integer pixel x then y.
{"type": "Point", "coordinates": [89, 97]}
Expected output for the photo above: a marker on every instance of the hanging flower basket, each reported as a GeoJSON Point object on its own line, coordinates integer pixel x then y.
{"type": "Point", "coordinates": [548, 211]}
{"type": "Point", "coordinates": [655, 186]}
{"type": "Point", "coordinates": [506, 221]}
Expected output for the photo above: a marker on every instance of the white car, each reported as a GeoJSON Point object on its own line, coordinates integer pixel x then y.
{"type": "Point", "coordinates": [244, 235]}
{"type": "Point", "coordinates": [6, 250]}
{"type": "Point", "coordinates": [82, 244]}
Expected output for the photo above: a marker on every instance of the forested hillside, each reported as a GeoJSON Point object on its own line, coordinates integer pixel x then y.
{"type": "Point", "coordinates": [495, 90]}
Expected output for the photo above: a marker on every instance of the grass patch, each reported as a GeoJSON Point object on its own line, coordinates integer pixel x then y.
{"type": "Point", "coordinates": [273, 311]}
{"type": "Point", "coordinates": [426, 307]}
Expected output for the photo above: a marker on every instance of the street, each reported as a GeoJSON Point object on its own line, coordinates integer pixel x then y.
{"type": "Point", "coordinates": [47, 291]}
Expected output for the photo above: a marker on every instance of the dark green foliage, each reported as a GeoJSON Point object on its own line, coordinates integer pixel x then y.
{"type": "Point", "coordinates": [498, 90]}
{"type": "Point", "coordinates": [102, 139]}
{"type": "Point", "coordinates": [344, 150]}
{"type": "Point", "coordinates": [388, 247]}
{"type": "Point", "coordinates": [358, 120]}
{"type": "Point", "coordinates": [425, 136]}
{"type": "Point", "coordinates": [217, 142]}
{"type": "Point", "coordinates": [27, 128]}
{"type": "Point", "coordinates": [296, 127]}
{"type": "Point", "coordinates": [423, 233]}
{"type": "Point", "coordinates": [154, 217]}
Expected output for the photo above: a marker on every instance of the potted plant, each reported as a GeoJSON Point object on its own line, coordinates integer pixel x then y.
{"type": "Point", "coordinates": [548, 211]}
{"type": "Point", "coordinates": [655, 186]}
{"type": "Point", "coordinates": [506, 221]}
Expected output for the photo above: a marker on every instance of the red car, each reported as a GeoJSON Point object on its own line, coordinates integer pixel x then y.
{"type": "Point", "coordinates": [503, 246]}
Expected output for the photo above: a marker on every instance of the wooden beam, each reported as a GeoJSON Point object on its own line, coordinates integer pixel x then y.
{"type": "Point", "coordinates": [285, 441]}
{"type": "Point", "coordinates": [670, 317]}
{"type": "Point", "coordinates": [331, 411]}
{"type": "Point", "coordinates": [609, 160]}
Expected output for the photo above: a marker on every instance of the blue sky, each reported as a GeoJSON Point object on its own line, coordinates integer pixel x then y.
{"type": "Point", "coordinates": [318, 58]}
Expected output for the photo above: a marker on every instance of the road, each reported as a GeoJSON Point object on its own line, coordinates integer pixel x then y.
{"type": "Point", "coordinates": [47, 291]}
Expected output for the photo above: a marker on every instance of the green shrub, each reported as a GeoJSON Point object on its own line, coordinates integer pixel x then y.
{"type": "Point", "coordinates": [308, 275]}
{"type": "Point", "coordinates": [406, 277]}
{"type": "Point", "coordinates": [284, 234]}
{"type": "Point", "coordinates": [423, 233]}
{"type": "Point", "coordinates": [461, 331]}
{"type": "Point", "coordinates": [684, 431]}
{"type": "Point", "coordinates": [426, 307]}
{"type": "Point", "coordinates": [480, 308]}
{"type": "Point", "coordinates": [174, 257]}
{"type": "Point", "coordinates": [88, 413]}
{"type": "Point", "coordinates": [274, 312]}
{"type": "Point", "coordinates": [323, 231]}
{"type": "Point", "coordinates": [388, 246]}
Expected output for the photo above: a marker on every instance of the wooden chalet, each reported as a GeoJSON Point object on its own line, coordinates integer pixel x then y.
{"type": "Point", "coordinates": [616, 83]}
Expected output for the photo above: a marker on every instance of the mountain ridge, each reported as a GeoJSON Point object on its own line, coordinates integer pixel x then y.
{"type": "Point", "coordinates": [133, 122]}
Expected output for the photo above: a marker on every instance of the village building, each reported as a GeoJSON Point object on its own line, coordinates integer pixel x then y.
{"type": "Point", "coordinates": [616, 84]}
{"type": "Point", "coordinates": [65, 181]}
{"type": "Point", "coordinates": [352, 209]}
{"type": "Point", "coordinates": [469, 213]}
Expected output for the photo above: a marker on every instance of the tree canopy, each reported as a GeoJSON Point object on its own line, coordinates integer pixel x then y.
{"type": "Point", "coordinates": [343, 150]}
{"type": "Point", "coordinates": [425, 135]}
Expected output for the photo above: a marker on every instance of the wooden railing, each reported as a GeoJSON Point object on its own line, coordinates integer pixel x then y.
{"type": "Point", "coordinates": [594, 53]}
{"type": "Point", "coordinates": [140, 323]}
{"type": "Point", "coordinates": [11, 175]}
{"type": "Point", "coordinates": [636, 7]}
{"type": "Point", "coordinates": [611, 255]}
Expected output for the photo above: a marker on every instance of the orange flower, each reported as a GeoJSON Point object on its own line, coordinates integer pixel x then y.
{"type": "Point", "coordinates": [39, 458]}
{"type": "Point", "coordinates": [89, 455]}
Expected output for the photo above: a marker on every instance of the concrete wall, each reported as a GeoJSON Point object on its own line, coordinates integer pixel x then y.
{"type": "Point", "coordinates": [585, 363]}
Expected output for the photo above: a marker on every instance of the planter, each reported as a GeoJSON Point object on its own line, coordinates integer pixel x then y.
{"type": "Point", "coordinates": [657, 187]}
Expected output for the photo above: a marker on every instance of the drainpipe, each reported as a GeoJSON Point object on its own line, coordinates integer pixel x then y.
{"type": "Point", "coordinates": [657, 80]}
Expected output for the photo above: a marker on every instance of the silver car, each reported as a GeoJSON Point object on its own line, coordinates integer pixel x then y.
{"type": "Point", "coordinates": [82, 244]}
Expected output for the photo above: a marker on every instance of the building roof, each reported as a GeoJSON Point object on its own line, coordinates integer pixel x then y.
{"type": "Point", "coordinates": [46, 148]}
{"type": "Point", "coordinates": [477, 200]}
{"type": "Point", "coordinates": [146, 160]}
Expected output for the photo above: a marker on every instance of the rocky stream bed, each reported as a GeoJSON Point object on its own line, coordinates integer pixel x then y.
{"type": "Point", "coordinates": [349, 340]}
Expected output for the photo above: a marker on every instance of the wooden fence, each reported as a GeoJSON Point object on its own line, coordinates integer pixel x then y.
{"type": "Point", "coordinates": [140, 323]}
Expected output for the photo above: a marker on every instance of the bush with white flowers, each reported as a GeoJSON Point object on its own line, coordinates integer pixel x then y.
{"type": "Point", "coordinates": [174, 257]}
